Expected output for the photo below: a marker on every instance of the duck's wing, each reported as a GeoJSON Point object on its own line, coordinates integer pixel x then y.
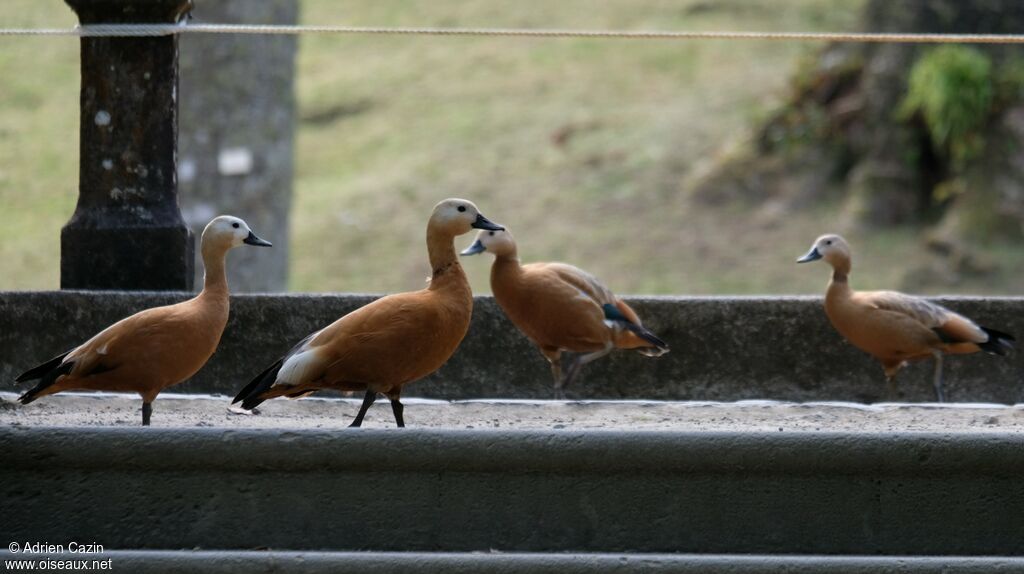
{"type": "Point", "coordinates": [130, 339]}
{"type": "Point", "coordinates": [389, 339]}
{"type": "Point", "coordinates": [950, 326]}
{"type": "Point", "coordinates": [403, 337]}
{"type": "Point", "coordinates": [268, 376]}
{"type": "Point", "coordinates": [560, 306]}
{"type": "Point", "coordinates": [579, 279]}
{"type": "Point", "coordinates": [144, 336]}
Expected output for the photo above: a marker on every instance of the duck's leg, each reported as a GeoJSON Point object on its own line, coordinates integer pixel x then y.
{"type": "Point", "coordinates": [891, 368]}
{"type": "Point", "coordinates": [147, 412]}
{"type": "Point", "coordinates": [580, 360]}
{"type": "Point", "coordinates": [554, 357]}
{"type": "Point", "coordinates": [371, 396]}
{"type": "Point", "coordinates": [397, 408]}
{"type": "Point", "coordinates": [894, 393]}
{"type": "Point", "coordinates": [937, 380]}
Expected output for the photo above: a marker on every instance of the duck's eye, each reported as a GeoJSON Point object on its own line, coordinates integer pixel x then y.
{"type": "Point", "coordinates": [462, 208]}
{"type": "Point", "coordinates": [235, 225]}
{"type": "Point", "coordinates": [829, 242]}
{"type": "Point", "coordinates": [491, 233]}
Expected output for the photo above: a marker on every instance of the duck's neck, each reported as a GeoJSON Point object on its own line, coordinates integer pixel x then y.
{"type": "Point", "coordinates": [840, 283]}
{"type": "Point", "coordinates": [841, 271]}
{"type": "Point", "coordinates": [215, 282]}
{"type": "Point", "coordinates": [444, 262]}
{"type": "Point", "coordinates": [506, 275]}
{"type": "Point", "coordinates": [507, 264]}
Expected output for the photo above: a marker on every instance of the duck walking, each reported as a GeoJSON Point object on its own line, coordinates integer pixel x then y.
{"type": "Point", "coordinates": [156, 348]}
{"type": "Point", "coordinates": [391, 342]}
{"type": "Point", "coordinates": [896, 328]}
{"type": "Point", "coordinates": [561, 308]}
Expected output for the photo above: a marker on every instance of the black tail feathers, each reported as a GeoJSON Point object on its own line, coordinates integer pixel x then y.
{"type": "Point", "coordinates": [249, 395]}
{"type": "Point", "coordinates": [648, 336]}
{"type": "Point", "coordinates": [47, 379]}
{"type": "Point", "coordinates": [612, 313]}
{"type": "Point", "coordinates": [998, 343]}
{"type": "Point", "coordinates": [41, 370]}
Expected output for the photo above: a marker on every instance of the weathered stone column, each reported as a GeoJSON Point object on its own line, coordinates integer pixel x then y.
{"type": "Point", "coordinates": [127, 231]}
{"type": "Point", "coordinates": [237, 129]}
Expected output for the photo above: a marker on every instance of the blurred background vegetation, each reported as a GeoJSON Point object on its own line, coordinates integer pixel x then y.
{"type": "Point", "coordinates": [663, 167]}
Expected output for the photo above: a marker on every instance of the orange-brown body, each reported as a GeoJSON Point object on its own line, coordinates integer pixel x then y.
{"type": "Point", "coordinates": [391, 342]}
{"type": "Point", "coordinates": [156, 348]}
{"type": "Point", "coordinates": [149, 351]}
{"type": "Point", "coordinates": [893, 327]}
{"type": "Point", "coordinates": [561, 308]}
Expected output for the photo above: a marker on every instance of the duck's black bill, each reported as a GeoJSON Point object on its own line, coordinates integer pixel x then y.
{"type": "Point", "coordinates": [812, 255]}
{"type": "Point", "coordinates": [477, 247]}
{"type": "Point", "coordinates": [484, 223]}
{"type": "Point", "coordinates": [253, 240]}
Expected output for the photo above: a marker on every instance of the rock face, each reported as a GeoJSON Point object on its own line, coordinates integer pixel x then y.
{"type": "Point", "coordinates": [845, 128]}
{"type": "Point", "coordinates": [237, 118]}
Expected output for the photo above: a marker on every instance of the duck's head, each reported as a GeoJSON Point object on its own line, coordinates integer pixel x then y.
{"type": "Point", "coordinates": [496, 242]}
{"type": "Point", "coordinates": [459, 216]}
{"type": "Point", "coordinates": [832, 248]}
{"type": "Point", "coordinates": [227, 231]}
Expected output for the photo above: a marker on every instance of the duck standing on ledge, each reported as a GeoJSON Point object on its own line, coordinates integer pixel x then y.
{"type": "Point", "coordinates": [393, 341]}
{"type": "Point", "coordinates": [156, 348]}
{"type": "Point", "coordinates": [896, 328]}
{"type": "Point", "coordinates": [562, 308]}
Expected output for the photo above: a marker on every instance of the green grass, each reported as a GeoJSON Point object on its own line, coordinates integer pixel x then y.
{"type": "Point", "coordinates": [394, 124]}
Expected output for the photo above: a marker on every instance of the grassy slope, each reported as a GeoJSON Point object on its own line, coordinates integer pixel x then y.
{"type": "Point", "coordinates": [38, 144]}
{"type": "Point", "coordinates": [392, 124]}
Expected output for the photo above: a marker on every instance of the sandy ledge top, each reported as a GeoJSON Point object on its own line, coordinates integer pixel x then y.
{"type": "Point", "coordinates": [177, 410]}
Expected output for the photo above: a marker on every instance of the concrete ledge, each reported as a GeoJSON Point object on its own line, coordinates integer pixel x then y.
{"type": "Point", "coordinates": [463, 491]}
{"type": "Point", "coordinates": [174, 410]}
{"type": "Point", "coordinates": [214, 562]}
{"type": "Point", "coordinates": [723, 348]}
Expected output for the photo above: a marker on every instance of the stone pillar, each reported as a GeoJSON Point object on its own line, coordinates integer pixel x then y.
{"type": "Point", "coordinates": [238, 131]}
{"type": "Point", "coordinates": [127, 231]}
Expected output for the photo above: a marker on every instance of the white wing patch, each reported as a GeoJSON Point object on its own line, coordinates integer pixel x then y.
{"type": "Point", "coordinates": [297, 368]}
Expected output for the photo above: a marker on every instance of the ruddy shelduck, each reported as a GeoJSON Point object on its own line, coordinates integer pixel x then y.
{"type": "Point", "coordinates": [156, 348]}
{"type": "Point", "coordinates": [391, 342]}
{"type": "Point", "coordinates": [896, 328]}
{"type": "Point", "coordinates": [562, 308]}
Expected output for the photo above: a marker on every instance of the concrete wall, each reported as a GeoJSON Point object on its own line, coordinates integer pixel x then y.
{"type": "Point", "coordinates": [722, 348]}
{"type": "Point", "coordinates": [416, 490]}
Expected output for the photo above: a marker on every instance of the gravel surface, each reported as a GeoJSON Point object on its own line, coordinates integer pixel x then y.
{"type": "Point", "coordinates": [175, 410]}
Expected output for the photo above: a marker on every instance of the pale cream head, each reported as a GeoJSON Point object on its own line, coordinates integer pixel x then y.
{"type": "Point", "coordinates": [832, 248]}
{"type": "Point", "coordinates": [228, 231]}
{"type": "Point", "coordinates": [497, 243]}
{"type": "Point", "coordinates": [458, 216]}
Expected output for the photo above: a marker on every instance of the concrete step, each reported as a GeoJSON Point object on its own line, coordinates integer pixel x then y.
{"type": "Point", "coordinates": [540, 491]}
{"type": "Point", "coordinates": [723, 348]}
{"type": "Point", "coordinates": [227, 562]}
